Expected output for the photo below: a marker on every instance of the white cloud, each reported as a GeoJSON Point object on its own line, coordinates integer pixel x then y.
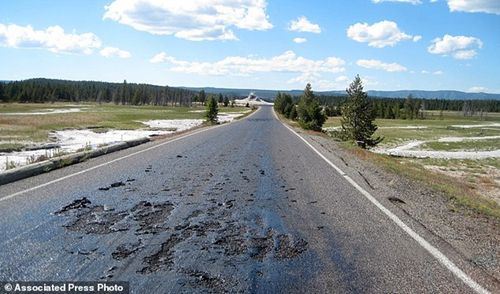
{"type": "Point", "coordinates": [460, 47]}
{"type": "Point", "coordinates": [300, 40]}
{"type": "Point", "coordinates": [417, 38]}
{"type": "Point", "coordinates": [486, 6]}
{"type": "Point", "coordinates": [436, 73]}
{"type": "Point", "coordinates": [53, 39]}
{"type": "Point", "coordinates": [477, 89]}
{"type": "Point", "coordinates": [114, 52]}
{"type": "Point", "coordinates": [305, 78]}
{"type": "Point", "coordinates": [318, 82]}
{"type": "Point", "coordinates": [302, 24]}
{"type": "Point", "coordinates": [244, 66]}
{"type": "Point", "coordinates": [194, 20]}
{"type": "Point", "coordinates": [414, 2]}
{"type": "Point", "coordinates": [379, 35]}
{"type": "Point", "coordinates": [377, 64]}
{"type": "Point", "coordinates": [162, 57]}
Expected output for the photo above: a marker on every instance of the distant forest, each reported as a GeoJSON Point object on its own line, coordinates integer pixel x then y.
{"type": "Point", "coordinates": [410, 107]}
{"type": "Point", "coordinates": [48, 90]}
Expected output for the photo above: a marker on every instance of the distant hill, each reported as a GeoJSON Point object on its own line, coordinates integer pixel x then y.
{"type": "Point", "coordinates": [443, 94]}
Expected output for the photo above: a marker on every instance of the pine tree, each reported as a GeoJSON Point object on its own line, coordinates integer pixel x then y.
{"type": "Point", "coordinates": [226, 101]}
{"type": "Point", "coordinates": [293, 112]}
{"type": "Point", "coordinates": [2, 95]}
{"type": "Point", "coordinates": [212, 110]}
{"type": "Point", "coordinates": [203, 97]}
{"type": "Point", "coordinates": [278, 103]}
{"type": "Point", "coordinates": [358, 116]}
{"type": "Point", "coordinates": [409, 107]}
{"type": "Point", "coordinates": [283, 103]}
{"type": "Point", "coordinates": [309, 111]}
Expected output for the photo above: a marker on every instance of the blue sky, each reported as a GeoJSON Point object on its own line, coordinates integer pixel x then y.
{"type": "Point", "coordinates": [257, 44]}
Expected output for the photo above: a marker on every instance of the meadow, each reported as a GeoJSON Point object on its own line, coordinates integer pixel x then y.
{"type": "Point", "coordinates": [432, 127]}
{"type": "Point", "coordinates": [35, 132]}
{"type": "Point", "coordinates": [25, 122]}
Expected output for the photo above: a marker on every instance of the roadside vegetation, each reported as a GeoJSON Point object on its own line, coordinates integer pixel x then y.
{"type": "Point", "coordinates": [462, 193]}
{"type": "Point", "coordinates": [358, 117]}
{"type": "Point", "coordinates": [357, 114]}
{"type": "Point", "coordinates": [472, 182]}
{"type": "Point", "coordinates": [212, 110]}
{"type": "Point", "coordinates": [430, 126]}
{"type": "Point", "coordinates": [307, 112]}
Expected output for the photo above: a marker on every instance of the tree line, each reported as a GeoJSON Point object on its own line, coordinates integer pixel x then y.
{"type": "Point", "coordinates": [411, 107]}
{"type": "Point", "coordinates": [50, 90]}
{"type": "Point", "coordinates": [203, 98]}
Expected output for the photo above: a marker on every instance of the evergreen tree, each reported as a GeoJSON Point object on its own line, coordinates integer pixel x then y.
{"type": "Point", "coordinates": [293, 112]}
{"type": "Point", "coordinates": [358, 116]}
{"type": "Point", "coordinates": [309, 111]}
{"type": "Point", "coordinates": [212, 110]}
{"type": "Point", "coordinates": [202, 97]}
{"type": "Point", "coordinates": [2, 94]}
{"type": "Point", "coordinates": [283, 103]}
{"type": "Point", "coordinates": [221, 99]}
{"type": "Point", "coordinates": [288, 109]}
{"type": "Point", "coordinates": [226, 101]}
{"type": "Point", "coordinates": [389, 113]}
{"type": "Point", "coordinates": [409, 107]}
{"type": "Point", "coordinates": [397, 112]}
{"type": "Point", "coordinates": [278, 103]}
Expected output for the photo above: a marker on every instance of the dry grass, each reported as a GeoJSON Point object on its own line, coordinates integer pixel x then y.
{"type": "Point", "coordinates": [36, 128]}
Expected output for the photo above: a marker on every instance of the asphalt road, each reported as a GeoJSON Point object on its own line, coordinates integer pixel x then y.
{"type": "Point", "coordinates": [245, 207]}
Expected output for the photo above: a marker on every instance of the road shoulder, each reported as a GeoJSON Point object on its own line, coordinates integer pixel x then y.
{"type": "Point", "coordinates": [470, 236]}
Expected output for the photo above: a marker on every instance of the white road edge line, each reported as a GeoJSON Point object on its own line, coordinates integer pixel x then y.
{"type": "Point", "coordinates": [421, 241]}
{"type": "Point", "coordinates": [118, 159]}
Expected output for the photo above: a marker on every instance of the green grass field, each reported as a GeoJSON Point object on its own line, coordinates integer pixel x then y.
{"type": "Point", "coordinates": [394, 131]}
{"type": "Point", "coordinates": [16, 130]}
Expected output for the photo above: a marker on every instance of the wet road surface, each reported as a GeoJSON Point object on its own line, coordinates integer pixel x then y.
{"type": "Point", "coordinates": [245, 207]}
